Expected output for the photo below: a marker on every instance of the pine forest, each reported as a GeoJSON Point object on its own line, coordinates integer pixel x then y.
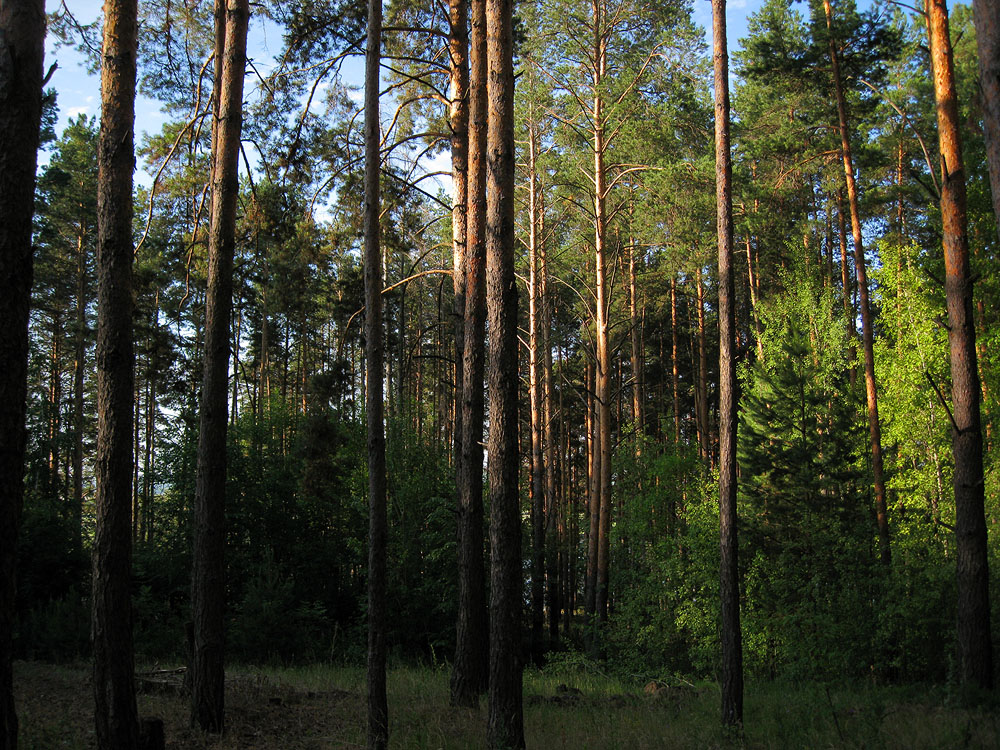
{"type": "Point", "coordinates": [480, 373]}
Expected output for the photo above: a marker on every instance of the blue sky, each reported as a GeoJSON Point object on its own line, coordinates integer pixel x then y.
{"type": "Point", "coordinates": [79, 91]}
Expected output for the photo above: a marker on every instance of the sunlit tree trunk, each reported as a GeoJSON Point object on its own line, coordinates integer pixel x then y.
{"type": "Point", "coordinates": [732, 647]}
{"type": "Point", "coordinates": [22, 33]}
{"type": "Point", "coordinates": [458, 116]}
{"type": "Point", "coordinates": [867, 333]}
{"type": "Point", "coordinates": [378, 709]}
{"type": "Point", "coordinates": [974, 646]}
{"type": "Point", "coordinates": [116, 715]}
{"type": "Point", "coordinates": [537, 484]}
{"type": "Point", "coordinates": [208, 584]}
{"type": "Point", "coordinates": [471, 668]}
{"type": "Point", "coordinates": [505, 722]}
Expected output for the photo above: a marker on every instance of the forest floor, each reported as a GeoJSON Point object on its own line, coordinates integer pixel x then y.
{"type": "Point", "coordinates": [320, 707]}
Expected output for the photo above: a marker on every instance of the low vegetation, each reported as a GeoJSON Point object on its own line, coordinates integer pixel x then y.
{"type": "Point", "coordinates": [571, 705]}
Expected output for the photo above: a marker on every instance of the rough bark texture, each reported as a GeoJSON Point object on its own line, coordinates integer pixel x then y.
{"type": "Point", "coordinates": [470, 671]}
{"type": "Point", "coordinates": [22, 31]}
{"type": "Point", "coordinates": [535, 407]}
{"type": "Point", "coordinates": [116, 716]}
{"type": "Point", "coordinates": [867, 333]}
{"type": "Point", "coordinates": [208, 585]}
{"type": "Point", "coordinates": [732, 647]}
{"type": "Point", "coordinates": [505, 723]}
{"type": "Point", "coordinates": [975, 650]}
{"type": "Point", "coordinates": [458, 120]}
{"type": "Point", "coordinates": [378, 708]}
{"type": "Point", "coordinates": [987, 19]}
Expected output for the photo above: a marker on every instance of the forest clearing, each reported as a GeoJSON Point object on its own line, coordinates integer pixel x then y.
{"type": "Point", "coordinates": [464, 373]}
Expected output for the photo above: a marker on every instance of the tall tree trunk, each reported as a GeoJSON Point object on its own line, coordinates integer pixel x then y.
{"type": "Point", "coordinates": [732, 647]}
{"type": "Point", "coordinates": [867, 334]}
{"type": "Point", "coordinates": [22, 33]}
{"type": "Point", "coordinates": [701, 382]}
{"type": "Point", "coordinates": [79, 368]}
{"type": "Point", "coordinates": [116, 715]}
{"type": "Point", "coordinates": [208, 585]}
{"type": "Point", "coordinates": [674, 369]}
{"type": "Point", "coordinates": [378, 708]}
{"type": "Point", "coordinates": [974, 647]}
{"type": "Point", "coordinates": [471, 668]}
{"type": "Point", "coordinates": [845, 287]}
{"type": "Point", "coordinates": [636, 337]}
{"type": "Point", "coordinates": [55, 403]}
{"type": "Point", "coordinates": [987, 19]}
{"type": "Point", "coordinates": [555, 519]}
{"type": "Point", "coordinates": [593, 494]}
{"type": "Point", "coordinates": [535, 406]}
{"type": "Point", "coordinates": [505, 723]}
{"type": "Point", "coordinates": [458, 116]}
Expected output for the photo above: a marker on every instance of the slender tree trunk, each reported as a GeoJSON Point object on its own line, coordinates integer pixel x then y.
{"type": "Point", "coordinates": [845, 286]}
{"type": "Point", "coordinates": [471, 669]}
{"type": "Point", "coordinates": [116, 715]}
{"type": "Point", "coordinates": [732, 647]}
{"type": "Point", "coordinates": [974, 646]}
{"type": "Point", "coordinates": [758, 329]}
{"type": "Point", "coordinates": [593, 493]}
{"type": "Point", "coordinates": [505, 723]}
{"type": "Point", "coordinates": [22, 33]}
{"type": "Point", "coordinates": [674, 370]}
{"type": "Point", "coordinates": [208, 585]}
{"type": "Point", "coordinates": [535, 407]}
{"type": "Point", "coordinates": [636, 339]}
{"type": "Point", "coordinates": [701, 384]}
{"type": "Point", "coordinates": [867, 334]}
{"type": "Point", "coordinates": [987, 19]}
{"type": "Point", "coordinates": [555, 519]}
{"type": "Point", "coordinates": [458, 116]}
{"type": "Point", "coordinates": [79, 368]}
{"type": "Point", "coordinates": [378, 708]}
{"type": "Point", "coordinates": [55, 402]}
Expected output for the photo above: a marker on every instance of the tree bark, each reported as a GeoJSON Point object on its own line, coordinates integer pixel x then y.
{"type": "Point", "coordinates": [987, 20]}
{"type": "Point", "coordinates": [458, 119]}
{"type": "Point", "coordinates": [470, 672]}
{"type": "Point", "coordinates": [701, 382]}
{"type": "Point", "coordinates": [732, 647]}
{"type": "Point", "coordinates": [537, 484]}
{"type": "Point", "coordinates": [867, 334]}
{"type": "Point", "coordinates": [602, 371]}
{"type": "Point", "coordinates": [208, 585]}
{"type": "Point", "coordinates": [636, 339]}
{"type": "Point", "coordinates": [674, 368]}
{"type": "Point", "coordinates": [22, 33]}
{"type": "Point", "coordinates": [116, 716]}
{"type": "Point", "coordinates": [593, 494]}
{"type": "Point", "coordinates": [505, 723]}
{"type": "Point", "coordinates": [378, 708]}
{"type": "Point", "coordinates": [975, 649]}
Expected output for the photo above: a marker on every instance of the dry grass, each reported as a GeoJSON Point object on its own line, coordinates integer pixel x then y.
{"type": "Point", "coordinates": [321, 707]}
